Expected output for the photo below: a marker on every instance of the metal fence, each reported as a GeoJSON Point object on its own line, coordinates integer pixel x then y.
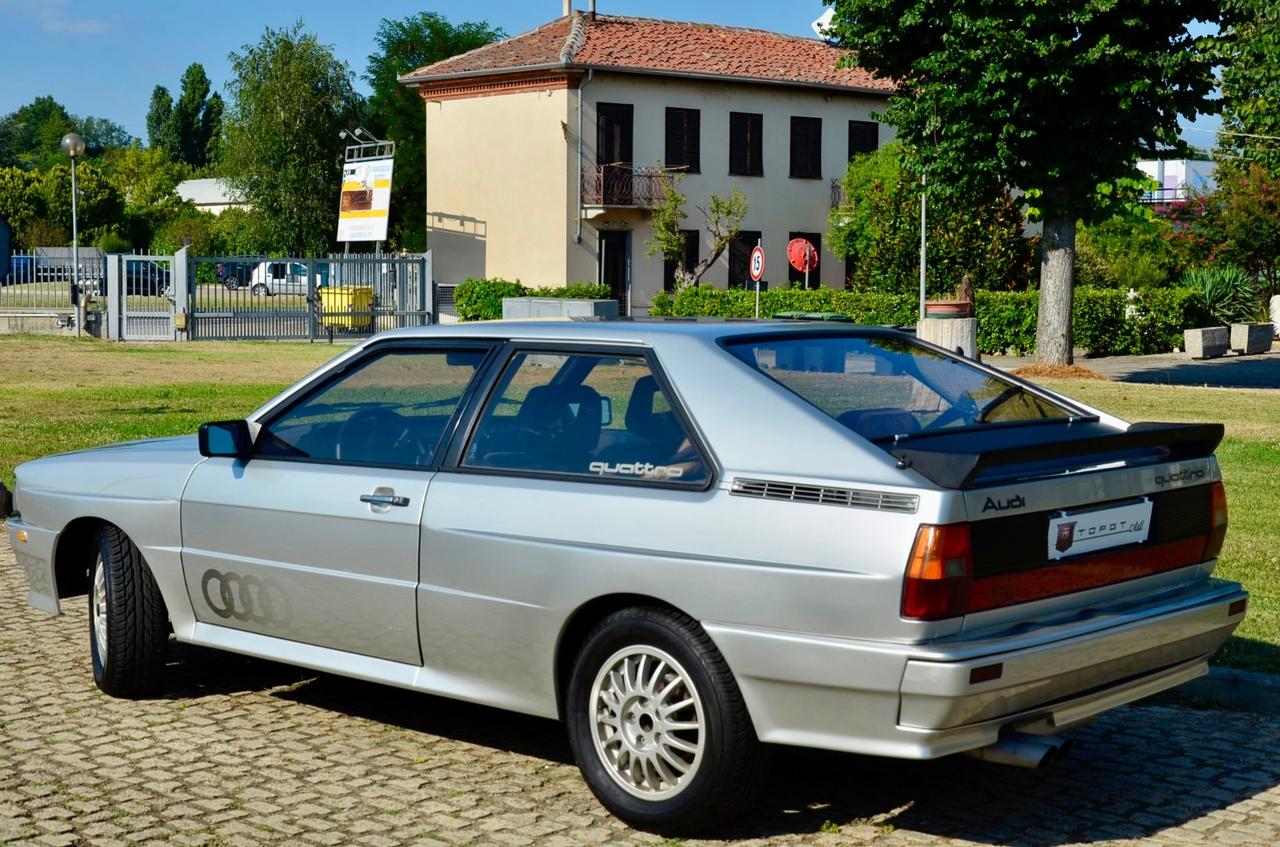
{"type": "Point", "coordinates": [261, 297]}
{"type": "Point", "coordinates": [41, 280]}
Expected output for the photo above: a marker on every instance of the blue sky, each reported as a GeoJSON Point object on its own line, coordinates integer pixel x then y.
{"type": "Point", "coordinates": [103, 58]}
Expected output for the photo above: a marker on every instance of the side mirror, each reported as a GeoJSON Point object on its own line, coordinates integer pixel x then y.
{"type": "Point", "coordinates": [227, 439]}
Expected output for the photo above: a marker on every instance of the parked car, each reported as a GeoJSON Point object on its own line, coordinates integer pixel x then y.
{"type": "Point", "coordinates": [148, 277]}
{"type": "Point", "coordinates": [686, 540]}
{"type": "Point", "coordinates": [233, 275]}
{"type": "Point", "coordinates": [279, 277]}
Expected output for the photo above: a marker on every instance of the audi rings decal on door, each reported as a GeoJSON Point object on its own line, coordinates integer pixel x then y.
{"type": "Point", "coordinates": [244, 598]}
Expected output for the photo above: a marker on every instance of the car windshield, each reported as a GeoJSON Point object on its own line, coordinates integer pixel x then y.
{"type": "Point", "coordinates": [881, 387]}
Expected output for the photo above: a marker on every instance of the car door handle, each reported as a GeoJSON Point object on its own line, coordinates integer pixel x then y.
{"type": "Point", "coordinates": [384, 500]}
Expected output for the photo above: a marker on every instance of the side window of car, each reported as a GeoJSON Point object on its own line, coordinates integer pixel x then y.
{"type": "Point", "coordinates": [587, 415]}
{"type": "Point", "coordinates": [390, 410]}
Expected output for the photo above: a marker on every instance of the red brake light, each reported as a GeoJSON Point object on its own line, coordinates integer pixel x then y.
{"type": "Point", "coordinates": [939, 572]}
{"type": "Point", "coordinates": [1217, 520]}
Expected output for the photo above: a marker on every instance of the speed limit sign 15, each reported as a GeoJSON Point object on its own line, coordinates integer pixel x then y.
{"type": "Point", "coordinates": [757, 263]}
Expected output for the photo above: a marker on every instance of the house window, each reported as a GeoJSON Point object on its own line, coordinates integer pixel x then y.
{"type": "Point", "coordinates": [864, 137]}
{"type": "Point", "coordinates": [797, 277]}
{"type": "Point", "coordinates": [684, 141]}
{"type": "Point", "coordinates": [690, 259]}
{"type": "Point", "coordinates": [806, 148]}
{"type": "Point", "coordinates": [746, 144]}
{"type": "Point", "coordinates": [740, 257]}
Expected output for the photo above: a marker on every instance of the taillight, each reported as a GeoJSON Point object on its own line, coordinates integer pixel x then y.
{"type": "Point", "coordinates": [938, 573]}
{"type": "Point", "coordinates": [1217, 520]}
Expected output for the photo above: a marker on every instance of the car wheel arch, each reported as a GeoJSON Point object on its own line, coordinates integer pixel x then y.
{"type": "Point", "coordinates": [580, 623]}
{"type": "Point", "coordinates": [73, 555]}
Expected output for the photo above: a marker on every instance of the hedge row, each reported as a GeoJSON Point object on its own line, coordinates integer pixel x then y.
{"type": "Point", "coordinates": [1105, 321]}
{"type": "Point", "coordinates": [481, 299]}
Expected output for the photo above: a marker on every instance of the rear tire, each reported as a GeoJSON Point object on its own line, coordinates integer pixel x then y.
{"type": "Point", "coordinates": [128, 624]}
{"type": "Point", "coordinates": [259, 290]}
{"type": "Point", "coordinates": [658, 725]}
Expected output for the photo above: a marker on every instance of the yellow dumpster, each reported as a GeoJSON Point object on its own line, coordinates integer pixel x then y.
{"type": "Point", "coordinates": [346, 308]}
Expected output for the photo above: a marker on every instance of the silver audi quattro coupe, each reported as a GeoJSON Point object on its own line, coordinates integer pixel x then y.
{"type": "Point", "coordinates": [687, 540]}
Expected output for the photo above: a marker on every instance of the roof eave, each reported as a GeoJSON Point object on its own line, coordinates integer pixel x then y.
{"type": "Point", "coordinates": [419, 81]}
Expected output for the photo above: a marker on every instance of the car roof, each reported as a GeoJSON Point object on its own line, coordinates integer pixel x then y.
{"type": "Point", "coordinates": [632, 330]}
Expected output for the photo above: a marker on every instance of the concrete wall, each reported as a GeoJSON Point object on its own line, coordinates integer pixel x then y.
{"type": "Point", "coordinates": [47, 323]}
{"type": "Point", "coordinates": [498, 199]}
{"type": "Point", "coordinates": [502, 177]}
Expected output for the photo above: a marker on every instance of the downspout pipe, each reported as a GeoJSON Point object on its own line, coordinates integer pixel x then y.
{"type": "Point", "coordinates": [577, 239]}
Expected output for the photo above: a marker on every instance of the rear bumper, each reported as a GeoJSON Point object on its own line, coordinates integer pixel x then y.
{"type": "Point", "coordinates": [917, 701]}
{"type": "Point", "coordinates": [35, 557]}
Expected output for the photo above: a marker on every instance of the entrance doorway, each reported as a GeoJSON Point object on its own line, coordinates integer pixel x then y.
{"type": "Point", "coordinates": [615, 266]}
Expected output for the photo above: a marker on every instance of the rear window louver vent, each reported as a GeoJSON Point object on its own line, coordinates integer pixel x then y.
{"type": "Point", "coordinates": [798, 493]}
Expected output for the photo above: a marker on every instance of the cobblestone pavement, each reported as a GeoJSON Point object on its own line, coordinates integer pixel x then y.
{"type": "Point", "coordinates": [247, 752]}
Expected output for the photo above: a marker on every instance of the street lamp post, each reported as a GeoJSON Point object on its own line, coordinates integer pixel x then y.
{"type": "Point", "coordinates": [73, 146]}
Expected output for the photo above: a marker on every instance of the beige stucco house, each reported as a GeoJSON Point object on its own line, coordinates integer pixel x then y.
{"type": "Point", "coordinates": [544, 151]}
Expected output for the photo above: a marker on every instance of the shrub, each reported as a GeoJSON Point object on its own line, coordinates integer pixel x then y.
{"type": "Point", "coordinates": [1229, 294]}
{"type": "Point", "coordinates": [1106, 321]}
{"type": "Point", "coordinates": [576, 291]}
{"type": "Point", "coordinates": [481, 299]}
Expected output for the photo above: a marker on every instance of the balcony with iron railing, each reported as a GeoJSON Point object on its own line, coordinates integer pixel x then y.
{"type": "Point", "coordinates": [624, 186]}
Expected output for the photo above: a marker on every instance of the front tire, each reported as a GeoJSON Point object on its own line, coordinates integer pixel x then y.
{"type": "Point", "coordinates": [128, 624]}
{"type": "Point", "coordinates": [658, 725]}
{"type": "Point", "coordinates": [259, 289]}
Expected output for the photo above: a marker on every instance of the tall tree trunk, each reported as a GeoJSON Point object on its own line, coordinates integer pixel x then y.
{"type": "Point", "coordinates": [1053, 329]}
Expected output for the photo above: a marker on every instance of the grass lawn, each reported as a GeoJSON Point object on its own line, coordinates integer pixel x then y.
{"type": "Point", "coordinates": [65, 394]}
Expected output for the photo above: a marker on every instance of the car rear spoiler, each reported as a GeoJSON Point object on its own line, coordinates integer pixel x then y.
{"type": "Point", "coordinates": [964, 458]}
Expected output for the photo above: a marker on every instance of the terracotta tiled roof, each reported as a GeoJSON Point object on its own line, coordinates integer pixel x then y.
{"type": "Point", "coordinates": [641, 45]}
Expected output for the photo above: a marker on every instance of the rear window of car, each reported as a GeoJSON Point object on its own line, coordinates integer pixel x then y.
{"type": "Point", "coordinates": [881, 387]}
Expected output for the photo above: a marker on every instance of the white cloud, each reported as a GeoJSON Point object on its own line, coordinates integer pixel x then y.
{"type": "Point", "coordinates": [56, 16]}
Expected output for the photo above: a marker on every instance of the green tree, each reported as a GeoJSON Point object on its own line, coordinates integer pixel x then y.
{"type": "Point", "coordinates": [290, 97]}
{"type": "Point", "coordinates": [878, 229]}
{"type": "Point", "coordinates": [722, 218]}
{"type": "Point", "coordinates": [1249, 52]}
{"type": "Point", "coordinates": [1058, 97]}
{"type": "Point", "coordinates": [101, 135]}
{"type": "Point", "coordinates": [1241, 225]}
{"type": "Point", "coordinates": [99, 203]}
{"type": "Point", "coordinates": [37, 129]}
{"type": "Point", "coordinates": [395, 112]}
{"type": "Point", "coordinates": [144, 176]}
{"type": "Point", "coordinates": [160, 122]}
{"type": "Point", "coordinates": [21, 200]}
{"type": "Point", "coordinates": [211, 128]}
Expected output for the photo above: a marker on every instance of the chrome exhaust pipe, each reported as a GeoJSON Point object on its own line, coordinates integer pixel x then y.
{"type": "Point", "coordinates": [1022, 750]}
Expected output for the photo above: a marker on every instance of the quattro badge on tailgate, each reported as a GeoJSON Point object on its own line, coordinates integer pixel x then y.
{"type": "Point", "coordinates": [1076, 533]}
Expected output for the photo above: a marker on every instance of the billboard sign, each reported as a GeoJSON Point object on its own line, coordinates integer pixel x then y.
{"type": "Point", "coordinates": [366, 200]}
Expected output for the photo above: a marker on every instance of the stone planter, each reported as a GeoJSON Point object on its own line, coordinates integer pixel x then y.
{"type": "Point", "coordinates": [515, 308]}
{"type": "Point", "coordinates": [948, 309]}
{"type": "Point", "coordinates": [1248, 339]}
{"type": "Point", "coordinates": [1207, 342]}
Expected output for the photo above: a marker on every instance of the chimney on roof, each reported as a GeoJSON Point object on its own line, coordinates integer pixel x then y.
{"type": "Point", "coordinates": [568, 8]}
{"type": "Point", "coordinates": [591, 7]}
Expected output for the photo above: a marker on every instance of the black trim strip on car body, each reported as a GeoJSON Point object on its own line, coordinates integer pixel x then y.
{"type": "Point", "coordinates": [503, 359]}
